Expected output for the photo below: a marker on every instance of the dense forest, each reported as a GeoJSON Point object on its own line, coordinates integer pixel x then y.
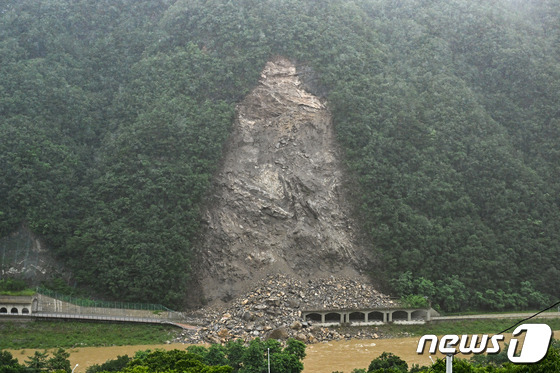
{"type": "Point", "coordinates": [113, 115]}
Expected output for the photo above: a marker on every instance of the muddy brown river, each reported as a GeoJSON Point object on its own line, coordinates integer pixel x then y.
{"type": "Point", "coordinates": [341, 356]}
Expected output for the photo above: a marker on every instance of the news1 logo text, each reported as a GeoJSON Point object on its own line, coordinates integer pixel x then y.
{"type": "Point", "coordinates": [534, 348]}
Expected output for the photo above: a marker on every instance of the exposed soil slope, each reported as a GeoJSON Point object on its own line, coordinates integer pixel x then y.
{"type": "Point", "coordinates": [278, 205]}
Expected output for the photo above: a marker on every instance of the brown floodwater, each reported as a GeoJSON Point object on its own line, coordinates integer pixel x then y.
{"type": "Point", "coordinates": [343, 356]}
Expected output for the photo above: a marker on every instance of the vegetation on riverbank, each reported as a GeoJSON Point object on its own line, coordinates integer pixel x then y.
{"type": "Point", "coordinates": [40, 362]}
{"type": "Point", "coordinates": [459, 327]}
{"type": "Point", "coordinates": [55, 334]}
{"type": "Point", "coordinates": [499, 363]}
{"type": "Point", "coordinates": [66, 334]}
{"type": "Point", "coordinates": [230, 358]}
{"type": "Point", "coordinates": [237, 357]}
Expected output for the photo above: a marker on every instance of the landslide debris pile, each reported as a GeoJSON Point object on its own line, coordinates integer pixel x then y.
{"type": "Point", "coordinates": [273, 309]}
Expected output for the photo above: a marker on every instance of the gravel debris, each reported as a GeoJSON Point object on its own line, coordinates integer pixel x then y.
{"type": "Point", "coordinates": [273, 309]}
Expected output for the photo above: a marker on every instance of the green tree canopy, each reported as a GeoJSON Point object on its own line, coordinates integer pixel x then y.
{"type": "Point", "coordinates": [113, 116]}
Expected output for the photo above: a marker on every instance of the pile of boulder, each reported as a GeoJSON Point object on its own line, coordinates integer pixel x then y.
{"type": "Point", "coordinates": [273, 309]}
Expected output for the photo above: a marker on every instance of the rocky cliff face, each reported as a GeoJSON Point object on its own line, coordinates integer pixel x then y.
{"type": "Point", "coordinates": [278, 205]}
{"type": "Point", "coordinates": [23, 255]}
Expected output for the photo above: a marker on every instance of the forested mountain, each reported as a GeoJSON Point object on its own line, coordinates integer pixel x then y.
{"type": "Point", "coordinates": [113, 115]}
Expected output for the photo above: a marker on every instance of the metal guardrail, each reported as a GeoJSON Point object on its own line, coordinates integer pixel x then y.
{"type": "Point", "coordinates": [70, 316]}
{"type": "Point", "coordinates": [544, 315]}
{"type": "Point", "coordinates": [102, 304]}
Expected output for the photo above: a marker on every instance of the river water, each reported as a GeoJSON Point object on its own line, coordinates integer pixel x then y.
{"type": "Point", "coordinates": [341, 356]}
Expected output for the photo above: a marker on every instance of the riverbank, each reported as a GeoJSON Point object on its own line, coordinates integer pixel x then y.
{"type": "Point", "coordinates": [71, 334]}
{"type": "Point", "coordinates": [325, 357]}
{"type": "Point", "coordinates": [339, 355]}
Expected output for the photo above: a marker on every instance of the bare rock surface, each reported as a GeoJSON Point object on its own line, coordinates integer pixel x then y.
{"type": "Point", "coordinates": [23, 255]}
{"type": "Point", "coordinates": [273, 309]}
{"type": "Point", "coordinates": [278, 205]}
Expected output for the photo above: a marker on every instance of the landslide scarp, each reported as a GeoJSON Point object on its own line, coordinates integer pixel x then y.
{"type": "Point", "coordinates": [278, 204]}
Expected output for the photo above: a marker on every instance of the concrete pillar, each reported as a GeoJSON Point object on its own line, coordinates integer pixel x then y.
{"type": "Point", "coordinates": [390, 317]}
{"type": "Point", "coordinates": [366, 316]}
{"type": "Point", "coordinates": [322, 317]}
{"type": "Point", "coordinates": [409, 317]}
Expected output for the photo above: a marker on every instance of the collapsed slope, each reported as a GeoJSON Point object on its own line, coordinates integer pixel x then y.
{"type": "Point", "coordinates": [273, 308]}
{"type": "Point", "coordinates": [278, 205]}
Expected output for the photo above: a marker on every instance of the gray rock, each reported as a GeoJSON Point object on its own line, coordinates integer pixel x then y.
{"type": "Point", "coordinates": [284, 321]}
{"type": "Point", "coordinates": [301, 337]}
{"type": "Point", "coordinates": [280, 333]}
{"type": "Point", "coordinates": [247, 316]}
{"type": "Point", "coordinates": [293, 303]}
{"type": "Point", "coordinates": [296, 325]}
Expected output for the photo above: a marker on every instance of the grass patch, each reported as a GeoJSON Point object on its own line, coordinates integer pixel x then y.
{"type": "Point", "coordinates": [25, 292]}
{"type": "Point", "coordinates": [67, 334]}
{"type": "Point", "coordinates": [474, 313]}
{"type": "Point", "coordinates": [458, 327]}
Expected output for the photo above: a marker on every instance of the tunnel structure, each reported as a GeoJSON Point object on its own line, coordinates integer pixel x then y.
{"type": "Point", "coordinates": [367, 316]}
{"type": "Point", "coordinates": [18, 305]}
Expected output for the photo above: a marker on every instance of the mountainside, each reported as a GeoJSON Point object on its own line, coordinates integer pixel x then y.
{"type": "Point", "coordinates": [278, 205]}
{"type": "Point", "coordinates": [23, 256]}
{"type": "Point", "coordinates": [120, 122]}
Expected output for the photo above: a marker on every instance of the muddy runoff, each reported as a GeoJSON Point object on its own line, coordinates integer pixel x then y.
{"type": "Point", "coordinates": [321, 357]}
{"type": "Point", "coordinates": [326, 357]}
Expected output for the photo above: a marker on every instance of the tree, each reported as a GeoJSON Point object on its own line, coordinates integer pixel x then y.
{"type": "Point", "coordinates": [216, 355]}
{"type": "Point", "coordinates": [254, 356]}
{"type": "Point", "coordinates": [59, 361]}
{"type": "Point", "coordinates": [174, 360]}
{"type": "Point", "coordinates": [38, 362]}
{"type": "Point", "coordinates": [114, 365]}
{"type": "Point", "coordinates": [388, 361]}
{"type": "Point", "coordinates": [8, 364]}
{"type": "Point", "coordinates": [296, 348]}
{"type": "Point", "coordinates": [234, 352]}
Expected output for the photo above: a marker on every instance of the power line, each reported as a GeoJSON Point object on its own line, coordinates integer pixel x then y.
{"type": "Point", "coordinates": [530, 317]}
{"type": "Point", "coordinates": [511, 327]}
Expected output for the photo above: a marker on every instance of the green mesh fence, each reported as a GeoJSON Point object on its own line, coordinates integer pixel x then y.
{"type": "Point", "coordinates": [102, 304]}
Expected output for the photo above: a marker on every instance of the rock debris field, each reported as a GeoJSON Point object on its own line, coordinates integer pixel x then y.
{"type": "Point", "coordinates": [273, 309]}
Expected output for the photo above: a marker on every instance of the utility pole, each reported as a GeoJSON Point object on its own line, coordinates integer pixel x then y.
{"type": "Point", "coordinates": [269, 360]}
{"type": "Point", "coordinates": [449, 359]}
{"type": "Point", "coordinates": [449, 363]}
